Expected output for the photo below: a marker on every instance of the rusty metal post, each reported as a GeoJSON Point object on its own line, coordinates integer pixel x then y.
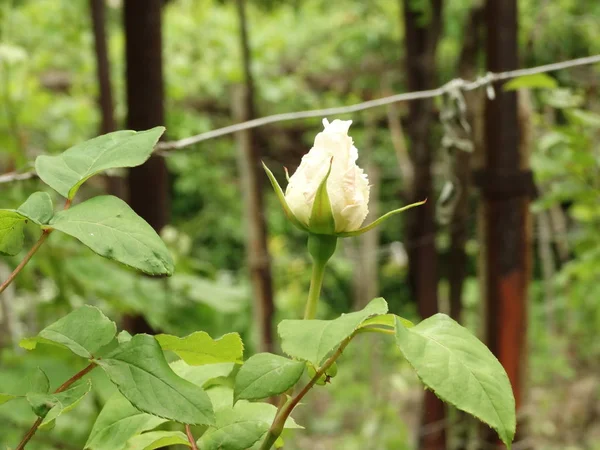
{"type": "Point", "coordinates": [505, 185]}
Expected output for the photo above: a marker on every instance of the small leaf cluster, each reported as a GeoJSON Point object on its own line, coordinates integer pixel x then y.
{"type": "Point", "coordinates": [205, 388]}
{"type": "Point", "coordinates": [105, 224]}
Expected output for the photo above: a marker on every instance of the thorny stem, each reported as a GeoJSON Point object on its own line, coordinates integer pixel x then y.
{"type": "Point", "coordinates": [31, 252]}
{"type": "Point", "coordinates": [282, 415]}
{"type": "Point", "coordinates": [190, 437]}
{"type": "Point", "coordinates": [62, 388]}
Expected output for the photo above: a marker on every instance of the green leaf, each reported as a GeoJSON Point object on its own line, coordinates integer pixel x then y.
{"type": "Point", "coordinates": [386, 320]}
{"type": "Point", "coordinates": [141, 373]}
{"type": "Point", "coordinates": [201, 375]}
{"type": "Point", "coordinates": [66, 172]}
{"type": "Point", "coordinates": [221, 297]}
{"type": "Point", "coordinates": [108, 226]}
{"type": "Point", "coordinates": [11, 232]}
{"type": "Point", "coordinates": [123, 336]}
{"type": "Point", "coordinates": [221, 397]}
{"type": "Point", "coordinates": [380, 220]}
{"type": "Point", "coordinates": [266, 374]}
{"type": "Point", "coordinates": [239, 427]}
{"type": "Point", "coordinates": [199, 348]}
{"type": "Point", "coordinates": [119, 421]}
{"type": "Point", "coordinates": [460, 370]}
{"type": "Point", "coordinates": [50, 406]}
{"type": "Point", "coordinates": [38, 382]}
{"type": "Point", "coordinates": [233, 433]}
{"type": "Point", "coordinates": [281, 197]}
{"type": "Point", "coordinates": [582, 117]}
{"type": "Point", "coordinates": [563, 98]}
{"type": "Point", "coordinates": [83, 331]}
{"type": "Point", "coordinates": [321, 217]}
{"type": "Point", "coordinates": [38, 208]}
{"type": "Point", "coordinates": [538, 80]}
{"type": "Point", "coordinates": [7, 397]}
{"type": "Point", "coordinates": [157, 439]}
{"type": "Point", "coordinates": [313, 340]}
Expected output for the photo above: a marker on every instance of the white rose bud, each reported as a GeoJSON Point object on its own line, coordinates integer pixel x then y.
{"type": "Point", "coordinates": [347, 185]}
{"type": "Point", "coordinates": [329, 194]}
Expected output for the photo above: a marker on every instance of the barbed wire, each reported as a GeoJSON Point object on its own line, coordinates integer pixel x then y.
{"type": "Point", "coordinates": [15, 176]}
{"type": "Point", "coordinates": [457, 84]}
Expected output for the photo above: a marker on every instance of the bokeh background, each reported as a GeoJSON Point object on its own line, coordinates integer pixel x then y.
{"type": "Point", "coordinates": [514, 196]}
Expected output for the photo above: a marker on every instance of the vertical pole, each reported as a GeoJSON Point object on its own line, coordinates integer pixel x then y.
{"type": "Point", "coordinates": [505, 202]}
{"type": "Point", "coordinates": [420, 43]}
{"type": "Point", "coordinates": [148, 184]}
{"type": "Point", "coordinates": [252, 174]}
{"type": "Point", "coordinates": [114, 185]}
{"type": "Point", "coordinates": [105, 100]}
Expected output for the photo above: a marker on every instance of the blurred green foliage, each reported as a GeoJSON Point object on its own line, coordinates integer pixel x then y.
{"type": "Point", "coordinates": [306, 54]}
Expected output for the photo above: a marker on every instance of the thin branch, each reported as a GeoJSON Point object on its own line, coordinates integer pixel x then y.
{"type": "Point", "coordinates": [31, 252]}
{"type": "Point", "coordinates": [190, 436]}
{"type": "Point", "coordinates": [87, 369]}
{"type": "Point", "coordinates": [62, 388]}
{"type": "Point", "coordinates": [30, 433]}
{"type": "Point", "coordinates": [16, 176]}
{"type": "Point", "coordinates": [28, 256]}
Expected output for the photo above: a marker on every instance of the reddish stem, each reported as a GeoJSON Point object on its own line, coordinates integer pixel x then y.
{"type": "Point", "coordinates": [31, 252]}
{"type": "Point", "coordinates": [190, 437]}
{"type": "Point", "coordinates": [28, 256]}
{"type": "Point", "coordinates": [62, 388]}
{"type": "Point", "coordinates": [283, 414]}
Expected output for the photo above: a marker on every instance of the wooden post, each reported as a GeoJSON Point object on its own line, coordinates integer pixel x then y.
{"type": "Point", "coordinates": [114, 185]}
{"type": "Point", "coordinates": [461, 166]}
{"type": "Point", "coordinates": [252, 174]}
{"type": "Point", "coordinates": [366, 259]}
{"type": "Point", "coordinates": [421, 42]}
{"type": "Point", "coordinates": [505, 187]}
{"type": "Point", "coordinates": [148, 184]}
{"type": "Point", "coordinates": [105, 99]}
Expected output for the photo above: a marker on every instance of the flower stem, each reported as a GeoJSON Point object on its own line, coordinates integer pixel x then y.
{"type": "Point", "coordinates": [83, 372]}
{"type": "Point", "coordinates": [316, 281]}
{"type": "Point", "coordinates": [321, 249]}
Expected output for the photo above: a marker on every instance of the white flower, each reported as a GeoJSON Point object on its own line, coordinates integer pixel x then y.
{"type": "Point", "coordinates": [347, 185]}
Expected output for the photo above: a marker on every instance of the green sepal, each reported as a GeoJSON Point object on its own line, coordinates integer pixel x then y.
{"type": "Point", "coordinates": [281, 197]}
{"type": "Point", "coordinates": [321, 217]}
{"type": "Point", "coordinates": [321, 247]}
{"type": "Point", "coordinates": [380, 220]}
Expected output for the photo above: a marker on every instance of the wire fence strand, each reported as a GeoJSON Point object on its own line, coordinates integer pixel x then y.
{"type": "Point", "coordinates": [486, 80]}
